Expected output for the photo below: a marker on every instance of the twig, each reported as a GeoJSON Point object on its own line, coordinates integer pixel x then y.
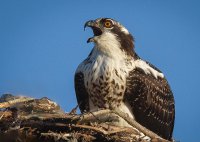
{"type": "Point", "coordinates": [91, 128]}
{"type": "Point", "coordinates": [2, 115]}
{"type": "Point", "coordinates": [135, 124]}
{"type": "Point", "coordinates": [15, 101]}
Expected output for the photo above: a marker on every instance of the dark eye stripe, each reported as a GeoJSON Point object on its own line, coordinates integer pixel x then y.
{"type": "Point", "coordinates": [126, 40]}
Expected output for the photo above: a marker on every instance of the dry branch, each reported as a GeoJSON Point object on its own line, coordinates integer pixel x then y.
{"type": "Point", "coordinates": [24, 119]}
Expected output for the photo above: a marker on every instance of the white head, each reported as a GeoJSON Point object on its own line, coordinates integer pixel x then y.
{"type": "Point", "coordinates": [111, 37]}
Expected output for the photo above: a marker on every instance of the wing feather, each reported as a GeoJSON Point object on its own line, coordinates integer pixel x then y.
{"type": "Point", "coordinates": [81, 92]}
{"type": "Point", "coordinates": [151, 101]}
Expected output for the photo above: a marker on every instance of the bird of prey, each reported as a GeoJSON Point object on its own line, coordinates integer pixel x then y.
{"type": "Point", "coordinates": [113, 76]}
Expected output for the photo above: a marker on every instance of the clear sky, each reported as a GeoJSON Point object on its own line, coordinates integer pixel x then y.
{"type": "Point", "coordinates": [43, 41]}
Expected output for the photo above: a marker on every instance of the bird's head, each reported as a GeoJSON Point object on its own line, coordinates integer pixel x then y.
{"type": "Point", "coordinates": [110, 36]}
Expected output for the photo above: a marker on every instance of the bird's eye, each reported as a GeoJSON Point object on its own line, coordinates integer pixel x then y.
{"type": "Point", "coordinates": [108, 24]}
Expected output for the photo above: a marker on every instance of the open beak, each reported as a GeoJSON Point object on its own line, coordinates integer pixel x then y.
{"type": "Point", "coordinates": [95, 27]}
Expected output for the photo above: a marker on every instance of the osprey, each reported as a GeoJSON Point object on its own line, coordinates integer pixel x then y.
{"type": "Point", "coordinates": [114, 76]}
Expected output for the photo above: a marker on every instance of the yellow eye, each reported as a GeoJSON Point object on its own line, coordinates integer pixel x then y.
{"type": "Point", "coordinates": [108, 24]}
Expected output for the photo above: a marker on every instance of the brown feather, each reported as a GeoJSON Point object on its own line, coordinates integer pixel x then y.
{"type": "Point", "coordinates": [81, 92]}
{"type": "Point", "coordinates": [151, 101]}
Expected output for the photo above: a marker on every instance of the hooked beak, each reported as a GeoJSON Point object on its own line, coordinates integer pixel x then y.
{"type": "Point", "coordinates": [95, 27]}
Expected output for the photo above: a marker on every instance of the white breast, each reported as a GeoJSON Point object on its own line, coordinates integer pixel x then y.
{"type": "Point", "coordinates": [105, 79]}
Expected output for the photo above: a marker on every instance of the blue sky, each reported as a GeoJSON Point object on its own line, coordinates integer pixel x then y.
{"type": "Point", "coordinates": [42, 43]}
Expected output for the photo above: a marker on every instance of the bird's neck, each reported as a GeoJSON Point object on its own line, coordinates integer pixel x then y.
{"type": "Point", "coordinates": [108, 45]}
{"type": "Point", "coordinates": [118, 60]}
{"type": "Point", "coordinates": [116, 55]}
